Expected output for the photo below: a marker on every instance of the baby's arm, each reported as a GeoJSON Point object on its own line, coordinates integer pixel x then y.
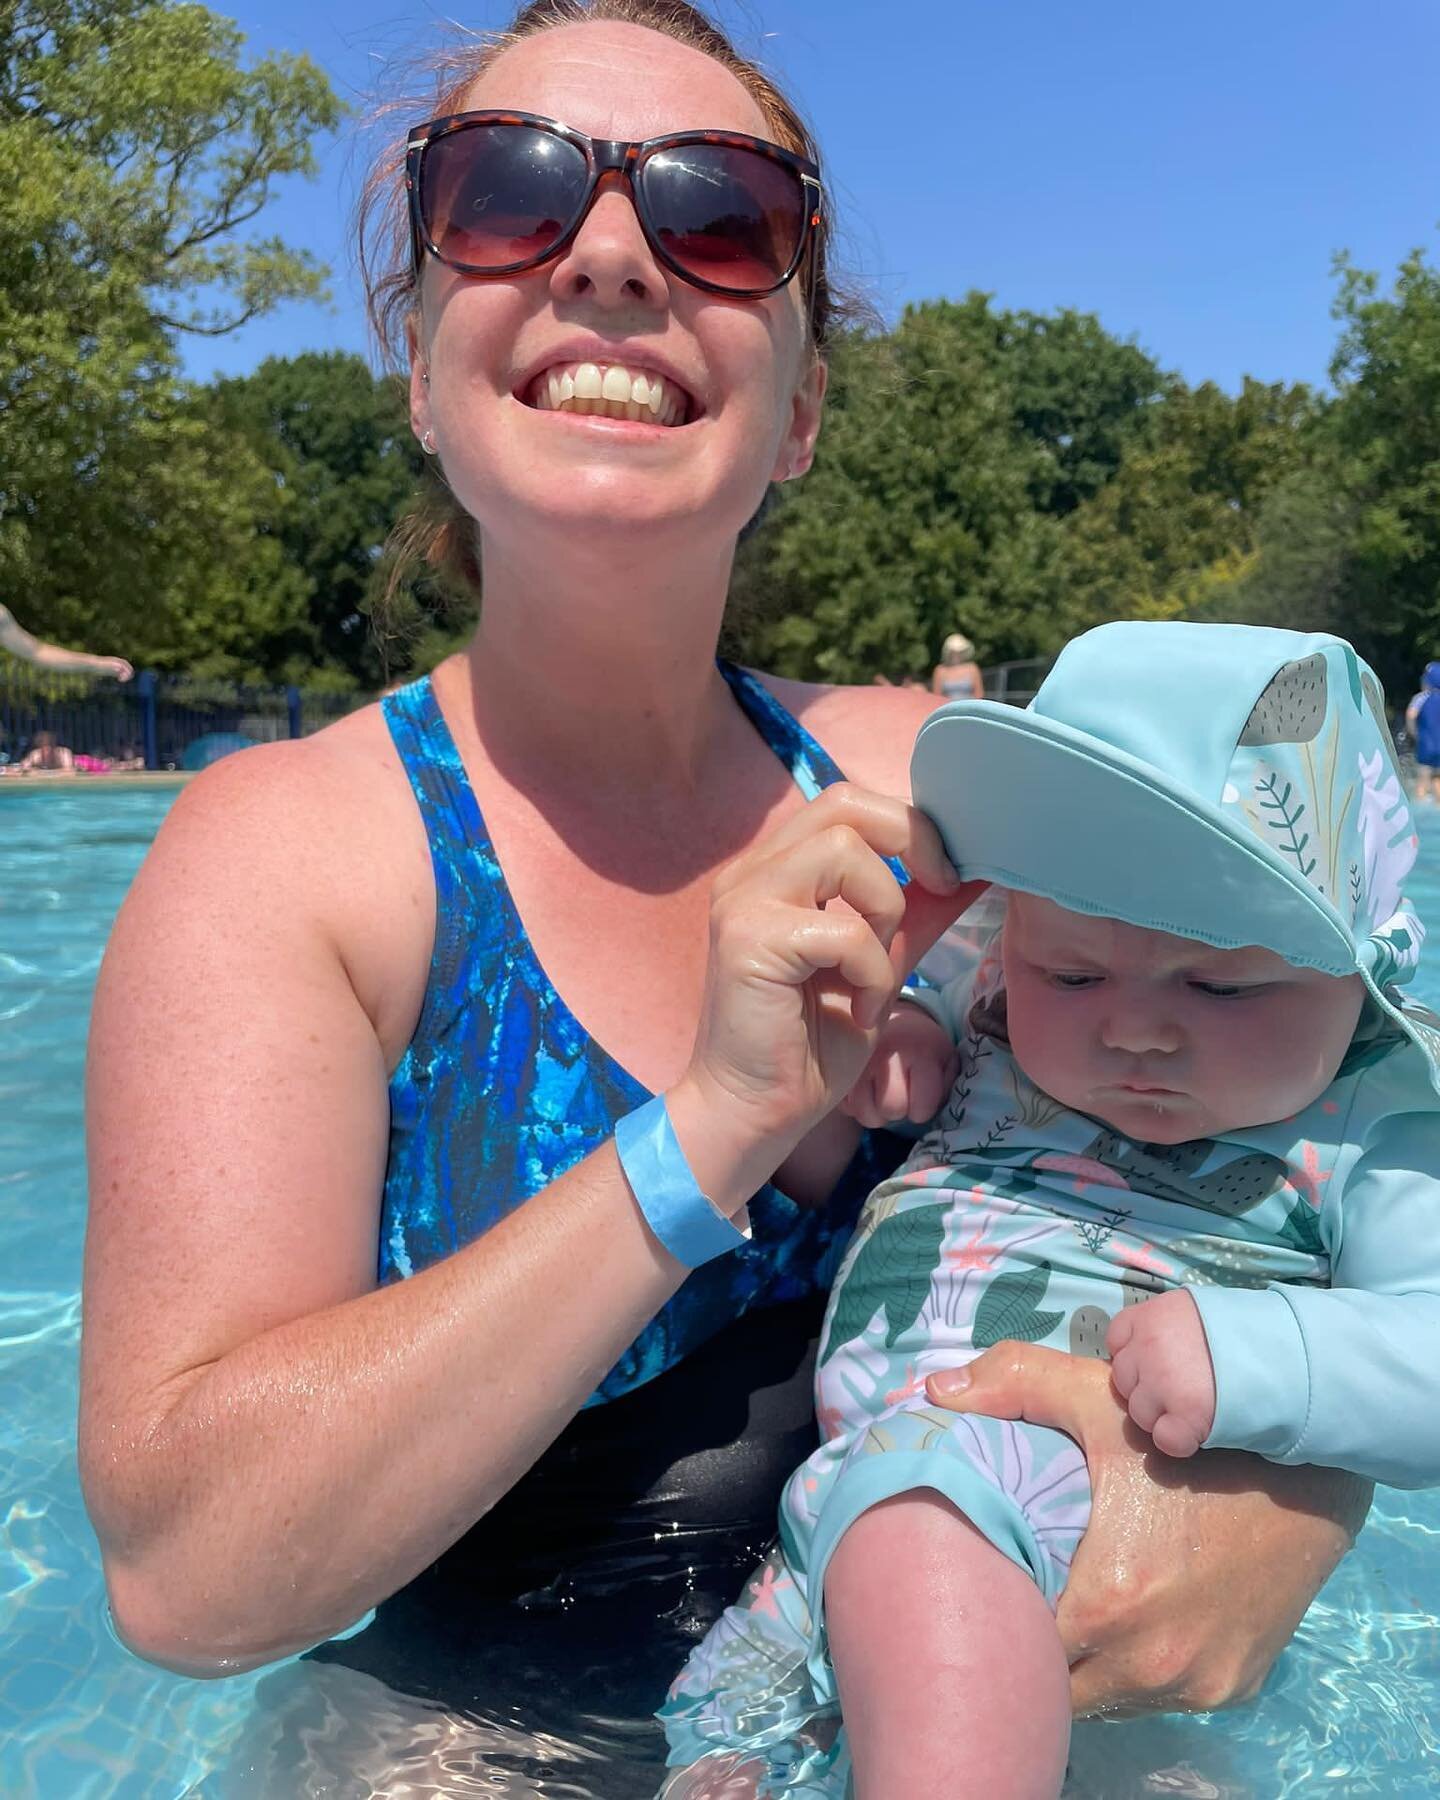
{"type": "Point", "coordinates": [910, 1071]}
{"type": "Point", "coordinates": [1348, 1376]}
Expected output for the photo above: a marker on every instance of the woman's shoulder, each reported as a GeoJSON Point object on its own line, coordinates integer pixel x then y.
{"type": "Point", "coordinates": [870, 731]}
{"type": "Point", "coordinates": [320, 839]}
{"type": "Point", "coordinates": [298, 785]}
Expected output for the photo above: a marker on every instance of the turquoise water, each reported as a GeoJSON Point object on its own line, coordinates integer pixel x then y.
{"type": "Point", "coordinates": [79, 1717]}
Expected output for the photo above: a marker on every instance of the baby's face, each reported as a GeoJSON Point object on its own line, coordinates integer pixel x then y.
{"type": "Point", "coordinates": [1163, 1037]}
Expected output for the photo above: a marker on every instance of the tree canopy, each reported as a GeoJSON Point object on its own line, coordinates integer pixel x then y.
{"type": "Point", "coordinates": [134, 149]}
{"type": "Point", "coordinates": [1015, 475]}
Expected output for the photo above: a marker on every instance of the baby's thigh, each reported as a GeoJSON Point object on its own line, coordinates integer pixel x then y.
{"type": "Point", "coordinates": [1024, 1487]}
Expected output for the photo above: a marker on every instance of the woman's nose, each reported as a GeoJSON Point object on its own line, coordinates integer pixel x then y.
{"type": "Point", "coordinates": [608, 258]}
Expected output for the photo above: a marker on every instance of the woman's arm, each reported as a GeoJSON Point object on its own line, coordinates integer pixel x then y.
{"type": "Point", "coordinates": [1191, 1577]}
{"type": "Point", "coordinates": [269, 1444]}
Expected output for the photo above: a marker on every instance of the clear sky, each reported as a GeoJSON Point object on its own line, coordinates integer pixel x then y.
{"type": "Point", "coordinates": [1184, 171]}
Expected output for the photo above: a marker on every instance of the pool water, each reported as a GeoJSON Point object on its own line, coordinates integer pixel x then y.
{"type": "Point", "coordinates": [1347, 1711]}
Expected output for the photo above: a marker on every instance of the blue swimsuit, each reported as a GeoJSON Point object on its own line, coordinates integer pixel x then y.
{"type": "Point", "coordinates": [650, 1505]}
{"type": "Point", "coordinates": [501, 1091]}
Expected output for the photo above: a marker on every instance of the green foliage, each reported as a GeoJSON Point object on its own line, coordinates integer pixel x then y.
{"type": "Point", "coordinates": [1349, 538]}
{"type": "Point", "coordinates": [133, 150]}
{"type": "Point", "coordinates": [1018, 476]}
{"type": "Point", "coordinates": [953, 449]}
{"type": "Point", "coordinates": [1171, 532]}
{"type": "Point", "coordinates": [344, 464]}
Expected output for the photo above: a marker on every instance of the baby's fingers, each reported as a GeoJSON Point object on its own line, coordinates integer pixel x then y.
{"type": "Point", "coordinates": [1175, 1436]}
{"type": "Point", "coordinates": [1145, 1407]}
{"type": "Point", "coordinates": [1124, 1372]}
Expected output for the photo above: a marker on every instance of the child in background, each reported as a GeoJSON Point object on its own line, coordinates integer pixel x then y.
{"type": "Point", "coordinates": [1194, 1127]}
{"type": "Point", "coordinates": [1422, 721]}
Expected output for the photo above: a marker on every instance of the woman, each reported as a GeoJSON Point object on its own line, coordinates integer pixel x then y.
{"type": "Point", "coordinates": [359, 1261]}
{"type": "Point", "coordinates": [957, 674]}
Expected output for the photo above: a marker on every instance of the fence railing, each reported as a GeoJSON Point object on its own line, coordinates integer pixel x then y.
{"type": "Point", "coordinates": [1016, 682]}
{"type": "Point", "coordinates": [154, 721]}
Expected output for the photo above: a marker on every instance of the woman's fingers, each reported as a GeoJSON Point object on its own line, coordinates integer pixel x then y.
{"type": "Point", "coordinates": [834, 849]}
{"type": "Point", "coordinates": [835, 864]}
{"type": "Point", "coordinates": [1027, 1381]}
{"type": "Point", "coordinates": [845, 945]}
{"type": "Point", "coordinates": [889, 827]}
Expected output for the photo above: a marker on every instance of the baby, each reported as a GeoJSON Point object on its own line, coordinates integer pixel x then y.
{"type": "Point", "coordinates": [1193, 1128]}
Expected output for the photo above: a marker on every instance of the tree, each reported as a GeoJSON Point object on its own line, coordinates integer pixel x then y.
{"type": "Point", "coordinates": [1176, 529]}
{"type": "Point", "coordinates": [1350, 540]}
{"type": "Point", "coordinates": [344, 464]}
{"type": "Point", "coordinates": [134, 148]}
{"type": "Point", "coordinates": [953, 448]}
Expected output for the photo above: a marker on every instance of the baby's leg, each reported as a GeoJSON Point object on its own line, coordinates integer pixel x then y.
{"type": "Point", "coordinates": [951, 1674]}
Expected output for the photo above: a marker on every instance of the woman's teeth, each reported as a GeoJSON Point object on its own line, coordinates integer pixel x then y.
{"type": "Point", "coordinates": [612, 392]}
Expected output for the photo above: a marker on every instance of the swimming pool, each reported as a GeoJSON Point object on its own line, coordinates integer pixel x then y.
{"type": "Point", "coordinates": [79, 1717]}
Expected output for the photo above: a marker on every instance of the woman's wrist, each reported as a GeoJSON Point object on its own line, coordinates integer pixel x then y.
{"type": "Point", "coordinates": [729, 1158]}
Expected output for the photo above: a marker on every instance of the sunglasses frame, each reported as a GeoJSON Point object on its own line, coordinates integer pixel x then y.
{"type": "Point", "coordinates": [627, 158]}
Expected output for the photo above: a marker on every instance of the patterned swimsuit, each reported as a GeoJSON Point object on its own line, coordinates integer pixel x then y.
{"type": "Point", "coordinates": [1013, 1218]}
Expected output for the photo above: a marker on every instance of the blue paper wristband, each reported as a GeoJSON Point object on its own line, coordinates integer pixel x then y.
{"type": "Point", "coordinates": [668, 1195]}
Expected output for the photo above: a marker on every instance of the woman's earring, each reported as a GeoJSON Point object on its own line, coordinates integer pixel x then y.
{"type": "Point", "coordinates": [427, 443]}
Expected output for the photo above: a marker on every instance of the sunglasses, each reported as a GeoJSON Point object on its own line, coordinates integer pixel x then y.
{"type": "Point", "coordinates": [496, 193]}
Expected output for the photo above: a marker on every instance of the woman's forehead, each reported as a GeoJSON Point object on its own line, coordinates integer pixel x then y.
{"type": "Point", "coordinates": [618, 81]}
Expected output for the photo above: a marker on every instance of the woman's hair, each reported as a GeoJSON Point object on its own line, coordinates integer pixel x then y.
{"type": "Point", "coordinates": [437, 531]}
{"type": "Point", "coordinates": [957, 648]}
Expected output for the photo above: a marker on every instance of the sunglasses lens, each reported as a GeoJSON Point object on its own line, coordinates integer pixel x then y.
{"type": "Point", "coordinates": [495, 195]}
{"type": "Point", "coordinates": [728, 215]}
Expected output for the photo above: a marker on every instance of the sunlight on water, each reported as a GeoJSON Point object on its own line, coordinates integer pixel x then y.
{"type": "Point", "coordinates": [1347, 1712]}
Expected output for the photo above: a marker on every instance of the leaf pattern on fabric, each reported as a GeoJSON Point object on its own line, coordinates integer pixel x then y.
{"type": "Point", "coordinates": [1302, 1229]}
{"type": "Point", "coordinates": [1009, 1308]}
{"type": "Point", "coordinates": [894, 1264]}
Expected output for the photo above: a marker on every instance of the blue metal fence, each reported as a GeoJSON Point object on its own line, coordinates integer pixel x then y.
{"type": "Point", "coordinates": [154, 721]}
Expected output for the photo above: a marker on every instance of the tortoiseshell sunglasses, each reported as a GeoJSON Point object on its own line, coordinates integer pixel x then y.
{"type": "Point", "coordinates": [495, 193]}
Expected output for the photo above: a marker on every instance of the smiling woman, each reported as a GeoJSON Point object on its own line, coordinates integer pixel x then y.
{"type": "Point", "coordinates": [467, 1264]}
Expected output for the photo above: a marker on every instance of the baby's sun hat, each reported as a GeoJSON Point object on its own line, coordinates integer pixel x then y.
{"type": "Point", "coordinates": [1230, 783]}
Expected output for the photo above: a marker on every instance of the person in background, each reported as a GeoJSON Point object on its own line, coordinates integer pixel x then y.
{"type": "Point", "coordinates": [1422, 721]}
{"type": "Point", "coordinates": [467, 1263]}
{"type": "Point", "coordinates": [45, 757]}
{"type": "Point", "coordinates": [957, 675]}
{"type": "Point", "coordinates": [24, 644]}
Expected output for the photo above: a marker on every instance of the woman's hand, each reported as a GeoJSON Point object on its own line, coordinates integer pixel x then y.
{"type": "Point", "coordinates": [1192, 1577]}
{"type": "Point", "coordinates": [810, 936]}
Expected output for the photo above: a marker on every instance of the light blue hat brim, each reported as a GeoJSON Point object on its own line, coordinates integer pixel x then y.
{"type": "Point", "coordinates": [1025, 801]}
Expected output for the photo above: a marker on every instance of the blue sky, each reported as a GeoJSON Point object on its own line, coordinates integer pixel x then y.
{"type": "Point", "coordinates": [1184, 171]}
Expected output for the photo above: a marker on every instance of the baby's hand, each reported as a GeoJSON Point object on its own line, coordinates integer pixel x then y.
{"type": "Point", "coordinates": [1160, 1364]}
{"type": "Point", "coordinates": [910, 1070]}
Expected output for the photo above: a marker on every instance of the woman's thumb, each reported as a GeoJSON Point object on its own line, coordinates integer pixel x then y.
{"type": "Point", "coordinates": [1014, 1381]}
